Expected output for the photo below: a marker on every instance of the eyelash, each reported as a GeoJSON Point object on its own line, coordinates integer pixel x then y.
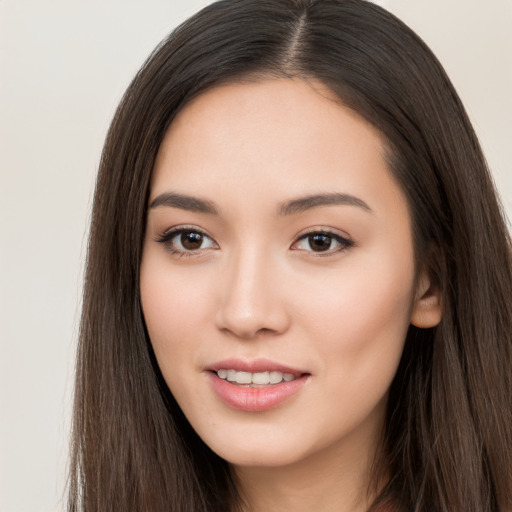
{"type": "Point", "coordinates": [166, 240]}
{"type": "Point", "coordinates": [345, 243]}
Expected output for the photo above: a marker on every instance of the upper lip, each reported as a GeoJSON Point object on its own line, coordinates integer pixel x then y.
{"type": "Point", "coordinates": [253, 366]}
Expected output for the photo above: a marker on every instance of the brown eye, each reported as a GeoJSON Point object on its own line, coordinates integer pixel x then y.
{"type": "Point", "coordinates": [185, 241]}
{"type": "Point", "coordinates": [320, 242]}
{"type": "Point", "coordinates": [191, 240]}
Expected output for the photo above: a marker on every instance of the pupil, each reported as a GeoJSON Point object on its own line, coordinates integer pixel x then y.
{"type": "Point", "coordinates": [320, 242]}
{"type": "Point", "coordinates": [191, 240]}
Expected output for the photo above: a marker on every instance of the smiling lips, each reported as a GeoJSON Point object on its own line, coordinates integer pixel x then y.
{"type": "Point", "coordinates": [255, 379]}
{"type": "Point", "coordinates": [255, 386]}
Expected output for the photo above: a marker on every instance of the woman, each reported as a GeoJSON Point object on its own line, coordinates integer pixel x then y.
{"type": "Point", "coordinates": [298, 281]}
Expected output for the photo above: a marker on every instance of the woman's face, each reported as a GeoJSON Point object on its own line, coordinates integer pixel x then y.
{"type": "Point", "coordinates": [277, 277]}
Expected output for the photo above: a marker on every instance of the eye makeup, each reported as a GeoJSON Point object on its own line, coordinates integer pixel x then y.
{"type": "Point", "coordinates": [322, 242]}
{"type": "Point", "coordinates": [185, 241]}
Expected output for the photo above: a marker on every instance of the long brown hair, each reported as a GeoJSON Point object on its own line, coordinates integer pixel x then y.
{"type": "Point", "coordinates": [448, 440]}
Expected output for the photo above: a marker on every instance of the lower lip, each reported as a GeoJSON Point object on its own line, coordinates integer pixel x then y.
{"type": "Point", "coordinates": [255, 399]}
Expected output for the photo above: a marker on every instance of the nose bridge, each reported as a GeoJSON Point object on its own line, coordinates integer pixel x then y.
{"type": "Point", "coordinates": [251, 301]}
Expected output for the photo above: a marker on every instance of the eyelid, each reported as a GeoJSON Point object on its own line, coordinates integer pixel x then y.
{"type": "Point", "coordinates": [166, 237]}
{"type": "Point", "coordinates": [345, 241]}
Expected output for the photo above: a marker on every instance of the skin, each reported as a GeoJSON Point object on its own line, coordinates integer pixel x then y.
{"type": "Point", "coordinates": [256, 288]}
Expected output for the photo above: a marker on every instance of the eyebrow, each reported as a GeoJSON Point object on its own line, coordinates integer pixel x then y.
{"type": "Point", "coordinates": [307, 202]}
{"type": "Point", "coordinates": [294, 206]}
{"type": "Point", "coordinates": [184, 202]}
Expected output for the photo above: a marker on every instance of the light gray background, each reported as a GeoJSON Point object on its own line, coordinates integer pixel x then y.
{"type": "Point", "coordinates": [63, 68]}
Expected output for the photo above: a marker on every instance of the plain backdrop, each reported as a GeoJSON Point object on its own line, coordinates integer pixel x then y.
{"type": "Point", "coordinates": [63, 67]}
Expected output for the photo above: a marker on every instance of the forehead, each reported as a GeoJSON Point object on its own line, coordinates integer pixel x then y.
{"type": "Point", "coordinates": [273, 137]}
{"type": "Point", "coordinates": [267, 109]}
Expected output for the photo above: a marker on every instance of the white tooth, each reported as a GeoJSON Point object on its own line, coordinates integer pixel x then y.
{"type": "Point", "coordinates": [287, 377]}
{"type": "Point", "coordinates": [222, 374]}
{"type": "Point", "coordinates": [275, 377]}
{"type": "Point", "coordinates": [231, 375]}
{"type": "Point", "coordinates": [261, 378]}
{"type": "Point", "coordinates": [243, 377]}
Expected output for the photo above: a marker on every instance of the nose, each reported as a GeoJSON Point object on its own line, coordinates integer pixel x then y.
{"type": "Point", "coordinates": [252, 301]}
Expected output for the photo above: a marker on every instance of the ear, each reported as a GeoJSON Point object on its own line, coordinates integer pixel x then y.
{"type": "Point", "coordinates": [427, 309]}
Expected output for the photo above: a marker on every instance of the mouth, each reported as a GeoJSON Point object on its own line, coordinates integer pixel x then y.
{"type": "Point", "coordinates": [256, 379]}
{"type": "Point", "coordinates": [255, 386]}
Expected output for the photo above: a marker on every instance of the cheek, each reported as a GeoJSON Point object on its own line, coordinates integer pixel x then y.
{"type": "Point", "coordinates": [177, 305]}
{"type": "Point", "coordinates": [360, 320]}
{"type": "Point", "coordinates": [173, 305]}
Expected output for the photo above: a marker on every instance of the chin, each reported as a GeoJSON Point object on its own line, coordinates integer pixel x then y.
{"type": "Point", "coordinates": [258, 456]}
{"type": "Point", "coordinates": [263, 449]}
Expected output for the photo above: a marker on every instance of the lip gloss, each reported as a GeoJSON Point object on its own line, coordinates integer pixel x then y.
{"type": "Point", "coordinates": [259, 398]}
